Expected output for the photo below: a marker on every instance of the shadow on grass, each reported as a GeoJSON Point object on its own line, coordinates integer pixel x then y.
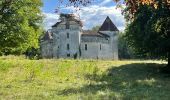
{"type": "Point", "coordinates": [136, 81]}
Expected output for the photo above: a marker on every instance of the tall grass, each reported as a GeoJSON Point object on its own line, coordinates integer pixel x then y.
{"type": "Point", "coordinates": [65, 79]}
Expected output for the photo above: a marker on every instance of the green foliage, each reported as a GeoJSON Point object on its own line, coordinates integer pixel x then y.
{"type": "Point", "coordinates": [81, 79]}
{"type": "Point", "coordinates": [95, 28]}
{"type": "Point", "coordinates": [148, 33]}
{"type": "Point", "coordinates": [125, 52]}
{"type": "Point", "coordinates": [20, 22]}
{"type": "Point", "coordinates": [33, 53]}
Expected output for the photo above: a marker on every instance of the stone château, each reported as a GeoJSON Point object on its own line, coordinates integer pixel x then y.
{"type": "Point", "coordinates": [67, 39]}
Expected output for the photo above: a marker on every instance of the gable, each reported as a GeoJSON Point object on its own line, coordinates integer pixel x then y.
{"type": "Point", "coordinates": [108, 25]}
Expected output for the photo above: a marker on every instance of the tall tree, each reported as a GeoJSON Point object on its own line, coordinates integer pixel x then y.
{"type": "Point", "coordinates": [149, 31]}
{"type": "Point", "coordinates": [20, 22]}
{"type": "Point", "coordinates": [125, 52]}
{"type": "Point", "coordinates": [96, 28]}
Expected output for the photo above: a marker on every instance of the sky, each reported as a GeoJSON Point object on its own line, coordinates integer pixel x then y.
{"type": "Point", "coordinates": [92, 15]}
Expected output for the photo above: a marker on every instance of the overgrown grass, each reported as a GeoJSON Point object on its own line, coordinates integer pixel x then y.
{"type": "Point", "coordinates": [82, 80]}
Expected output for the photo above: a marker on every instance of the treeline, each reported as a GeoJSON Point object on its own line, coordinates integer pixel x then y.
{"type": "Point", "coordinates": [20, 26]}
{"type": "Point", "coordinates": [128, 52]}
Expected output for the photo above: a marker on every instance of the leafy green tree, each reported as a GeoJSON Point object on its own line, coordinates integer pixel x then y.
{"type": "Point", "coordinates": [125, 52]}
{"type": "Point", "coordinates": [20, 22]}
{"type": "Point", "coordinates": [149, 32]}
{"type": "Point", "coordinates": [95, 28]}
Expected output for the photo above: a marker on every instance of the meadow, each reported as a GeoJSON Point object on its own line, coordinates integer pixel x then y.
{"type": "Point", "coordinates": [63, 79]}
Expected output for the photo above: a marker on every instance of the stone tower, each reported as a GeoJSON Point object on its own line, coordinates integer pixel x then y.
{"type": "Point", "coordinates": [110, 29]}
{"type": "Point", "coordinates": [67, 34]}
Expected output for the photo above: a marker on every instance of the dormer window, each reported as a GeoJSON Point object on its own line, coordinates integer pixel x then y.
{"type": "Point", "coordinates": [67, 25]}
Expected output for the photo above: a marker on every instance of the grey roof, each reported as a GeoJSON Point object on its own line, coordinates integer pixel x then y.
{"type": "Point", "coordinates": [91, 36]}
{"type": "Point", "coordinates": [56, 24]}
{"type": "Point", "coordinates": [47, 36]}
{"type": "Point", "coordinates": [108, 25]}
{"type": "Point", "coordinates": [69, 17]}
{"type": "Point", "coordinates": [93, 33]}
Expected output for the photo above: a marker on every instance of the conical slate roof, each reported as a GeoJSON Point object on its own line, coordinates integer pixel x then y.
{"type": "Point", "coordinates": [108, 25]}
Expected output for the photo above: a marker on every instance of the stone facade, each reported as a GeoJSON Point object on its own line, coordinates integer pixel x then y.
{"type": "Point", "coordinates": [66, 39]}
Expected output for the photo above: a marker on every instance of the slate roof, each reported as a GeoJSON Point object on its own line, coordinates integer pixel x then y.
{"type": "Point", "coordinates": [56, 24]}
{"type": "Point", "coordinates": [69, 17]}
{"type": "Point", "coordinates": [93, 33]}
{"type": "Point", "coordinates": [108, 25]}
{"type": "Point", "coordinates": [47, 36]}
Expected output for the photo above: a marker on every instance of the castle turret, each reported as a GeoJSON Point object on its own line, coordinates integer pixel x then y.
{"type": "Point", "coordinates": [110, 29]}
{"type": "Point", "coordinates": [46, 44]}
{"type": "Point", "coordinates": [68, 32]}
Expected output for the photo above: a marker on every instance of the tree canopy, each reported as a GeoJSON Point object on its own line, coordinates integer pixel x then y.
{"type": "Point", "coordinates": [20, 22]}
{"type": "Point", "coordinates": [149, 32]}
{"type": "Point", "coordinates": [96, 28]}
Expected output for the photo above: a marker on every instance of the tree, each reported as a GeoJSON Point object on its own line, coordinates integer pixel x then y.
{"type": "Point", "coordinates": [20, 22]}
{"type": "Point", "coordinates": [95, 28]}
{"type": "Point", "coordinates": [149, 32]}
{"type": "Point", "coordinates": [132, 4]}
{"type": "Point", "coordinates": [125, 52]}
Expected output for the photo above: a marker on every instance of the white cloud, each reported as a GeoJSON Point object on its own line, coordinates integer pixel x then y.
{"type": "Point", "coordinates": [91, 16]}
{"type": "Point", "coordinates": [50, 19]}
{"type": "Point", "coordinates": [105, 2]}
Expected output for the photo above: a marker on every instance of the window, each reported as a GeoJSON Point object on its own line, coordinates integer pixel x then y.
{"type": "Point", "coordinates": [67, 25]}
{"type": "Point", "coordinates": [85, 46]}
{"type": "Point", "coordinates": [68, 35]}
{"type": "Point", "coordinates": [100, 47]}
{"type": "Point", "coordinates": [68, 47]}
{"type": "Point", "coordinates": [68, 55]}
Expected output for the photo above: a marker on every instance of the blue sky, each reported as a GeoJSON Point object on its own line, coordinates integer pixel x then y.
{"type": "Point", "coordinates": [51, 5]}
{"type": "Point", "coordinates": [91, 15]}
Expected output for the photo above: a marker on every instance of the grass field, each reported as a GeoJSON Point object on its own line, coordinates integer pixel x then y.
{"type": "Point", "coordinates": [82, 80]}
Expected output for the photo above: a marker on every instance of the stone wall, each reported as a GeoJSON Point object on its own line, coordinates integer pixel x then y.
{"type": "Point", "coordinates": [96, 50]}
{"type": "Point", "coordinates": [46, 49]}
{"type": "Point", "coordinates": [88, 38]}
{"type": "Point", "coordinates": [73, 40]}
{"type": "Point", "coordinates": [113, 42]}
